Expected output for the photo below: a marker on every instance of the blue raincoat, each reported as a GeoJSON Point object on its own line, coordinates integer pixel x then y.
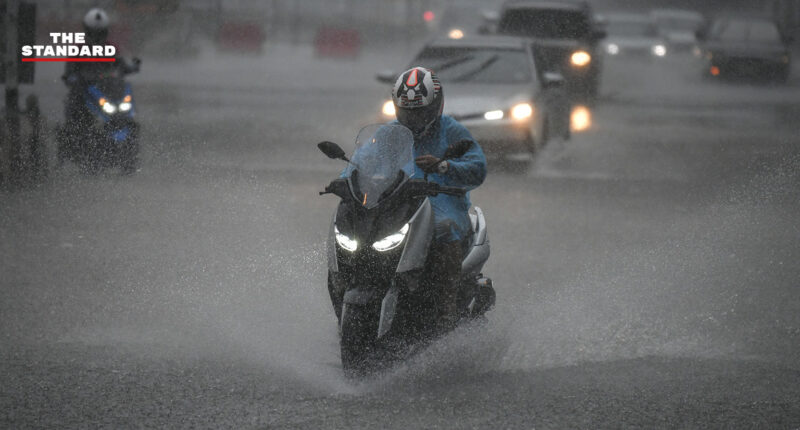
{"type": "Point", "coordinates": [468, 171]}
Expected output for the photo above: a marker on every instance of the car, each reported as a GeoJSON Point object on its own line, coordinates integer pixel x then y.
{"type": "Point", "coordinates": [746, 47]}
{"type": "Point", "coordinates": [466, 17]}
{"type": "Point", "coordinates": [567, 39]}
{"type": "Point", "coordinates": [679, 27]}
{"type": "Point", "coordinates": [633, 35]}
{"type": "Point", "coordinates": [493, 87]}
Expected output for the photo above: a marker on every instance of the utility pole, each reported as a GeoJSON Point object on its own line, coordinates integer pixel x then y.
{"type": "Point", "coordinates": [10, 163]}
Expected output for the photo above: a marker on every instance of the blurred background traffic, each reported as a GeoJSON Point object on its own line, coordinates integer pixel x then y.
{"type": "Point", "coordinates": [601, 50]}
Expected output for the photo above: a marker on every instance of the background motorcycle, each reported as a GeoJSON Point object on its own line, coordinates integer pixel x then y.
{"type": "Point", "coordinates": [101, 132]}
{"type": "Point", "coordinates": [379, 269]}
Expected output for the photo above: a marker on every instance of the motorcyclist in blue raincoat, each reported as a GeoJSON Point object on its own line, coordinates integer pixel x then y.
{"type": "Point", "coordinates": [419, 101]}
{"type": "Point", "coordinates": [77, 75]}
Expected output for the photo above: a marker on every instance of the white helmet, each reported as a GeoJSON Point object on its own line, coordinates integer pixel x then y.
{"type": "Point", "coordinates": [96, 19]}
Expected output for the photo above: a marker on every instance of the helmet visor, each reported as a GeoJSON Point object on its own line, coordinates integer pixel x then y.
{"type": "Point", "coordinates": [417, 119]}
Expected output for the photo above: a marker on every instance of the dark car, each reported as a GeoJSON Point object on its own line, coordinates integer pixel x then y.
{"type": "Point", "coordinates": [566, 37]}
{"type": "Point", "coordinates": [744, 47]}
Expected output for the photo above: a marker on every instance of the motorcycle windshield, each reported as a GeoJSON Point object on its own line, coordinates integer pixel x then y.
{"type": "Point", "coordinates": [382, 161]}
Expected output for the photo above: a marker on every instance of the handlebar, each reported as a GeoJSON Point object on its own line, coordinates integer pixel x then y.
{"type": "Point", "coordinates": [417, 187]}
{"type": "Point", "coordinates": [453, 191]}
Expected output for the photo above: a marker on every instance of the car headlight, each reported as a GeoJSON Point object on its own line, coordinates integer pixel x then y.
{"type": "Point", "coordinates": [456, 33]}
{"type": "Point", "coordinates": [522, 111]}
{"type": "Point", "coordinates": [345, 241]}
{"type": "Point", "coordinates": [494, 115]}
{"type": "Point", "coordinates": [612, 48]}
{"type": "Point", "coordinates": [581, 58]}
{"type": "Point", "coordinates": [124, 106]}
{"type": "Point", "coordinates": [659, 50]}
{"type": "Point", "coordinates": [388, 109]}
{"type": "Point", "coordinates": [391, 241]}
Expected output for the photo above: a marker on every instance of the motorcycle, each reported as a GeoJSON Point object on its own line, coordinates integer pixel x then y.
{"type": "Point", "coordinates": [100, 131]}
{"type": "Point", "coordinates": [379, 271]}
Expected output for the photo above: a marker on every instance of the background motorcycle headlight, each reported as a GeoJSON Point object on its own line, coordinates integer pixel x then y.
{"type": "Point", "coordinates": [391, 241]}
{"type": "Point", "coordinates": [109, 108]}
{"type": "Point", "coordinates": [345, 241]}
{"type": "Point", "coordinates": [659, 50]}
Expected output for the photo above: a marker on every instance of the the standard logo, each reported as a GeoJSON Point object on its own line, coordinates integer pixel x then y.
{"type": "Point", "coordinates": [68, 47]}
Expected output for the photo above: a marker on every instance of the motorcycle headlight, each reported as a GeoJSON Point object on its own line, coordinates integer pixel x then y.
{"type": "Point", "coordinates": [391, 241]}
{"type": "Point", "coordinates": [345, 241]}
{"type": "Point", "coordinates": [612, 48]}
{"type": "Point", "coordinates": [659, 50]}
{"type": "Point", "coordinates": [109, 108]}
{"type": "Point", "coordinates": [581, 58]}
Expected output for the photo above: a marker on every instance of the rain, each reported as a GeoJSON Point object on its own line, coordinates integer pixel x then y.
{"type": "Point", "coordinates": [644, 232]}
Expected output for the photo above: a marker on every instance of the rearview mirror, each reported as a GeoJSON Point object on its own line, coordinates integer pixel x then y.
{"type": "Point", "coordinates": [332, 150]}
{"type": "Point", "coordinates": [457, 150]}
{"type": "Point", "coordinates": [386, 76]}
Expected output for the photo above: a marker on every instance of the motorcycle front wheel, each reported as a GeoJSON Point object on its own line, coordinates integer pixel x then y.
{"type": "Point", "coordinates": [360, 351]}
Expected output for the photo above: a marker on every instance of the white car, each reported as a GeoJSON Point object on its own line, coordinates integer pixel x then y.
{"type": "Point", "coordinates": [633, 35]}
{"type": "Point", "coordinates": [492, 86]}
{"type": "Point", "coordinates": [679, 27]}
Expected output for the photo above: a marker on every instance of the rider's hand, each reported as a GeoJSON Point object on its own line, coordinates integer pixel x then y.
{"type": "Point", "coordinates": [430, 164]}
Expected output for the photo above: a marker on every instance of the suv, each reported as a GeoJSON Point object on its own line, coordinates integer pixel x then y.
{"type": "Point", "coordinates": [566, 38]}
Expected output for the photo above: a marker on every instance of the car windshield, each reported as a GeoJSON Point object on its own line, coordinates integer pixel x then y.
{"type": "Point", "coordinates": [545, 24]}
{"type": "Point", "coordinates": [743, 31]}
{"type": "Point", "coordinates": [463, 17]}
{"type": "Point", "coordinates": [630, 28]}
{"type": "Point", "coordinates": [680, 24]}
{"type": "Point", "coordinates": [381, 162]}
{"type": "Point", "coordinates": [764, 32]}
{"type": "Point", "coordinates": [477, 65]}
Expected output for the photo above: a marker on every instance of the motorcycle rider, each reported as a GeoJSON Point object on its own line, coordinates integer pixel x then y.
{"type": "Point", "coordinates": [95, 27]}
{"type": "Point", "coordinates": [419, 101]}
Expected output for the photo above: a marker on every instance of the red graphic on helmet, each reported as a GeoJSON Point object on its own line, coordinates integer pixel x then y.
{"type": "Point", "coordinates": [416, 88]}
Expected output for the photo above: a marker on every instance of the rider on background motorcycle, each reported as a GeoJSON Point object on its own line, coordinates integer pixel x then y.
{"type": "Point", "coordinates": [95, 27]}
{"type": "Point", "coordinates": [419, 101]}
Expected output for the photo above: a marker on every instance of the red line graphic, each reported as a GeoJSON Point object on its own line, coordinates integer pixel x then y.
{"type": "Point", "coordinates": [72, 59]}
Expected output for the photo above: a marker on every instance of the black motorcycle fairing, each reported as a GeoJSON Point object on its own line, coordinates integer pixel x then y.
{"type": "Point", "coordinates": [415, 251]}
{"type": "Point", "coordinates": [111, 86]}
{"type": "Point", "coordinates": [369, 225]}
